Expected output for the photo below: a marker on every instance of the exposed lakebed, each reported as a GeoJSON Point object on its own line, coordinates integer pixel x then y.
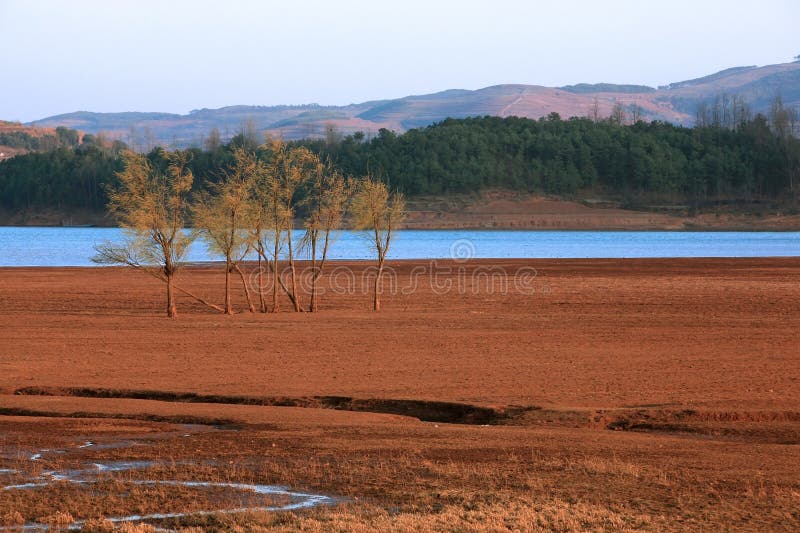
{"type": "Point", "coordinates": [75, 468]}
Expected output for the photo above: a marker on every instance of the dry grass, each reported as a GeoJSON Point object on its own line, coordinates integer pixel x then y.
{"type": "Point", "coordinates": [424, 477]}
{"type": "Point", "coordinates": [509, 516]}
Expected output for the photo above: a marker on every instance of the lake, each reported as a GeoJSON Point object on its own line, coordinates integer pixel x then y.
{"type": "Point", "coordinates": [74, 246]}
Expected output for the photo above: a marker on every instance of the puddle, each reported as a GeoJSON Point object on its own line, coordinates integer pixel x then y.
{"type": "Point", "coordinates": [95, 471]}
{"type": "Point", "coordinates": [122, 466]}
{"type": "Point", "coordinates": [116, 445]}
{"type": "Point", "coordinates": [25, 486]}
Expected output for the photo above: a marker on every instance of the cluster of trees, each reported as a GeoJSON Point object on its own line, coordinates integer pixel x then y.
{"type": "Point", "coordinates": [68, 174]}
{"type": "Point", "coordinates": [640, 163]}
{"type": "Point", "coordinates": [63, 138]}
{"type": "Point", "coordinates": [60, 179]}
{"type": "Point", "coordinates": [250, 207]}
{"type": "Point", "coordinates": [729, 156]}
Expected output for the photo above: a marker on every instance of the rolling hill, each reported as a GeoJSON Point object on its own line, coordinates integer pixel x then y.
{"type": "Point", "coordinates": [16, 138]}
{"type": "Point", "coordinates": [674, 103]}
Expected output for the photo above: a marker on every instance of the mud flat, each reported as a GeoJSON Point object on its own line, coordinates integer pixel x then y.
{"type": "Point", "coordinates": [599, 394]}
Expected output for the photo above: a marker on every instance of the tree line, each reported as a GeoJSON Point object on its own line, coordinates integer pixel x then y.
{"type": "Point", "coordinates": [639, 164]}
{"type": "Point", "coordinates": [65, 177]}
{"type": "Point", "coordinates": [250, 207]}
{"type": "Point", "coordinates": [62, 138]}
{"type": "Point", "coordinates": [730, 156]}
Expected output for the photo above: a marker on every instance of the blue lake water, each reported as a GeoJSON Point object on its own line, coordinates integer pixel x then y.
{"type": "Point", "coordinates": [75, 246]}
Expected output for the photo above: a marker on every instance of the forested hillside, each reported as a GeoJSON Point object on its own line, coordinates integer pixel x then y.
{"type": "Point", "coordinates": [16, 139]}
{"type": "Point", "coordinates": [638, 164]}
{"type": "Point", "coordinates": [676, 103]}
{"type": "Point", "coordinates": [644, 162]}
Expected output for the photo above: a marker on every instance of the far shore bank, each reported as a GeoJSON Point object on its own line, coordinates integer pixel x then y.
{"type": "Point", "coordinates": [703, 223]}
{"type": "Point", "coordinates": [505, 210]}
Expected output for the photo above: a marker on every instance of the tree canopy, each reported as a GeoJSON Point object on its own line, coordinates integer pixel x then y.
{"type": "Point", "coordinates": [639, 163]}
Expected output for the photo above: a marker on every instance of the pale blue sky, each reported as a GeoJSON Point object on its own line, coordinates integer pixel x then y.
{"type": "Point", "coordinates": [67, 55]}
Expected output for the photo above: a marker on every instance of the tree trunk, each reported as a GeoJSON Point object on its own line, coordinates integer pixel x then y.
{"type": "Point", "coordinates": [275, 305]}
{"type": "Point", "coordinates": [172, 311]}
{"type": "Point", "coordinates": [321, 266]}
{"type": "Point", "coordinates": [313, 306]}
{"type": "Point", "coordinates": [281, 284]}
{"type": "Point", "coordinates": [228, 306]}
{"type": "Point", "coordinates": [376, 301]}
{"type": "Point", "coordinates": [293, 296]}
{"type": "Point", "coordinates": [261, 302]}
{"type": "Point", "coordinates": [250, 305]}
{"type": "Point", "coordinates": [161, 275]}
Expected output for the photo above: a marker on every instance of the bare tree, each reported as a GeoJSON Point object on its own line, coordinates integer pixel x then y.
{"type": "Point", "coordinates": [332, 136]}
{"type": "Point", "coordinates": [741, 112]}
{"type": "Point", "coordinates": [783, 121]}
{"type": "Point", "coordinates": [221, 216]}
{"type": "Point", "coordinates": [727, 112]}
{"type": "Point", "coordinates": [275, 201]}
{"type": "Point", "coordinates": [780, 117]}
{"type": "Point", "coordinates": [214, 141]}
{"type": "Point", "coordinates": [151, 207]}
{"type": "Point", "coordinates": [636, 113]}
{"type": "Point", "coordinates": [294, 167]}
{"type": "Point", "coordinates": [618, 114]}
{"type": "Point", "coordinates": [329, 192]}
{"type": "Point", "coordinates": [716, 113]}
{"type": "Point", "coordinates": [269, 221]}
{"type": "Point", "coordinates": [265, 216]}
{"type": "Point", "coordinates": [594, 110]}
{"type": "Point", "coordinates": [249, 134]}
{"type": "Point", "coordinates": [377, 210]}
{"type": "Point", "coordinates": [133, 139]}
{"type": "Point", "coordinates": [702, 115]}
{"type": "Point", "coordinates": [149, 139]}
{"type": "Point", "coordinates": [101, 140]}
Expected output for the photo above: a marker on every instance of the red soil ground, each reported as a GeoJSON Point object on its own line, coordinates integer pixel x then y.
{"type": "Point", "coordinates": [694, 362]}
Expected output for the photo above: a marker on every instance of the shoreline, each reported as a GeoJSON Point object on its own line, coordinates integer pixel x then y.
{"type": "Point", "coordinates": [473, 262]}
{"type": "Point", "coordinates": [512, 211]}
{"type": "Point", "coordinates": [367, 263]}
{"type": "Point", "coordinates": [484, 229]}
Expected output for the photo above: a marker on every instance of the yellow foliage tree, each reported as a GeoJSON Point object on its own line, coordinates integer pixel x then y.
{"type": "Point", "coordinates": [151, 207]}
{"type": "Point", "coordinates": [221, 215]}
{"type": "Point", "coordinates": [378, 211]}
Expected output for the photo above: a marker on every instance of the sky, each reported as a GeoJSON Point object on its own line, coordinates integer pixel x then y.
{"type": "Point", "coordinates": [59, 56]}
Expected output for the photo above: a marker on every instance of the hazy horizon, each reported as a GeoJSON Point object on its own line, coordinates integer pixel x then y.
{"type": "Point", "coordinates": [145, 56]}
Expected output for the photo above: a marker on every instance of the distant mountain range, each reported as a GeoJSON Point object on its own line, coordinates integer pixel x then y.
{"type": "Point", "coordinates": [674, 103]}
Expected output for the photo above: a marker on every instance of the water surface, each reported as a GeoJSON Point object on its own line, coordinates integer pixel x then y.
{"type": "Point", "coordinates": [75, 246]}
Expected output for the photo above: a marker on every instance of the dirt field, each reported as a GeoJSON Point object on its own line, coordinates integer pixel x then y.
{"type": "Point", "coordinates": [597, 394]}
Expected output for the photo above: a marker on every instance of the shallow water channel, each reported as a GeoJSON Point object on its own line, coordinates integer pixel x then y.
{"type": "Point", "coordinates": [91, 473]}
